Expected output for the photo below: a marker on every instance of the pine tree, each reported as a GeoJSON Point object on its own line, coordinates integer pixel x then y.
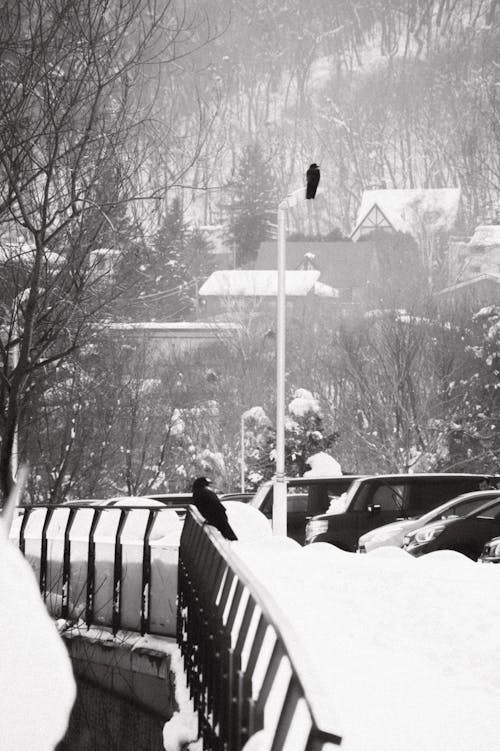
{"type": "Point", "coordinates": [253, 207]}
{"type": "Point", "coordinates": [163, 278]}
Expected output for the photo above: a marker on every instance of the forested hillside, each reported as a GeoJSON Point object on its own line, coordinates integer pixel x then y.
{"type": "Point", "coordinates": [402, 93]}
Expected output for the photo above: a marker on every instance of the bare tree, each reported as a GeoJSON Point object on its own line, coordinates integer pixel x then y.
{"type": "Point", "coordinates": [79, 83]}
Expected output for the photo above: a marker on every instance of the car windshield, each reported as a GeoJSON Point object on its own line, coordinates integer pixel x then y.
{"type": "Point", "coordinates": [264, 493]}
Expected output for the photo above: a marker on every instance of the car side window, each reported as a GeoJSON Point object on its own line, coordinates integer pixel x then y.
{"type": "Point", "coordinates": [388, 497]}
{"type": "Point", "coordinates": [464, 508]}
{"type": "Point", "coordinates": [491, 513]}
{"type": "Point", "coordinates": [297, 503]}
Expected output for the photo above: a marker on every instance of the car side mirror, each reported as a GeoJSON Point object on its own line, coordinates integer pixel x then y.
{"type": "Point", "coordinates": [373, 508]}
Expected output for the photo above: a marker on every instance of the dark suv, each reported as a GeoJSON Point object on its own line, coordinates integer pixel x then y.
{"type": "Point", "coordinates": [379, 499]}
{"type": "Point", "coordinates": [306, 496]}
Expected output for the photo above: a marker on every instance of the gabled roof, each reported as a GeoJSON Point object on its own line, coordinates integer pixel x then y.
{"type": "Point", "coordinates": [374, 219]}
{"type": "Point", "coordinates": [413, 211]}
{"type": "Point", "coordinates": [257, 283]}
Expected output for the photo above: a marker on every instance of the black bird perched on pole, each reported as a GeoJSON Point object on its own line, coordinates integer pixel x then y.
{"type": "Point", "coordinates": [312, 177]}
{"type": "Point", "coordinates": [211, 508]}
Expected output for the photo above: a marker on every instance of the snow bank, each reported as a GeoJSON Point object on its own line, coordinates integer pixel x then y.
{"type": "Point", "coordinates": [37, 689]}
{"type": "Point", "coordinates": [323, 465]}
{"type": "Point", "coordinates": [402, 646]}
{"type": "Point", "coordinates": [248, 523]}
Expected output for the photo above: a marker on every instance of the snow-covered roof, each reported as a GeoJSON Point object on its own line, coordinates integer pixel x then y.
{"type": "Point", "coordinates": [175, 326]}
{"type": "Point", "coordinates": [486, 234]}
{"type": "Point", "coordinates": [325, 290]}
{"type": "Point", "coordinates": [413, 210]}
{"type": "Point", "coordinates": [105, 252]}
{"type": "Point", "coordinates": [257, 283]}
{"type": "Point", "coordinates": [25, 253]}
{"type": "Point", "coordinates": [495, 278]}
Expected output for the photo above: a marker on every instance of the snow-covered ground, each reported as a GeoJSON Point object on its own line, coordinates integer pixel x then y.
{"type": "Point", "coordinates": [37, 689]}
{"type": "Point", "coordinates": [404, 648]}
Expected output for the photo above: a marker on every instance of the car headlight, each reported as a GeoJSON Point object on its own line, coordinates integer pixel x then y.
{"type": "Point", "coordinates": [493, 550]}
{"type": "Point", "coordinates": [315, 527]}
{"type": "Point", "coordinates": [424, 534]}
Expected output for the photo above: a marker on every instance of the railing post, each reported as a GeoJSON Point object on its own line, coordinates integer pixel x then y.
{"type": "Point", "coordinates": [117, 574]}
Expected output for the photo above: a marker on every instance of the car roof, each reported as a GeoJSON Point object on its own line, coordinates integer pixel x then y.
{"type": "Point", "coordinates": [297, 481]}
{"type": "Point", "coordinates": [417, 475]}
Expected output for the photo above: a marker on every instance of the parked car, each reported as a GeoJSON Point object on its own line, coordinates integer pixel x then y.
{"type": "Point", "coordinates": [379, 499]}
{"type": "Point", "coordinates": [491, 551]}
{"type": "Point", "coordinates": [394, 533]}
{"type": "Point", "coordinates": [467, 535]}
{"type": "Point", "coordinates": [241, 497]}
{"type": "Point", "coordinates": [306, 496]}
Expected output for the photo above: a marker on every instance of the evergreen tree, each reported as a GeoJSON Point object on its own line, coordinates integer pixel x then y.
{"type": "Point", "coordinates": [254, 205]}
{"type": "Point", "coordinates": [165, 275]}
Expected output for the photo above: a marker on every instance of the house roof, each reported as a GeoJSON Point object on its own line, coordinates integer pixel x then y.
{"type": "Point", "coordinates": [174, 326]}
{"type": "Point", "coordinates": [474, 280]}
{"type": "Point", "coordinates": [257, 283]}
{"type": "Point", "coordinates": [25, 253]}
{"type": "Point", "coordinates": [412, 211]}
{"type": "Point", "coordinates": [343, 265]}
{"type": "Point", "coordinates": [486, 234]}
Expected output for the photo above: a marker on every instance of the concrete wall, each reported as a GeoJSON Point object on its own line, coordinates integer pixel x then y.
{"type": "Point", "coordinates": [126, 692]}
{"type": "Point", "coordinates": [103, 721]}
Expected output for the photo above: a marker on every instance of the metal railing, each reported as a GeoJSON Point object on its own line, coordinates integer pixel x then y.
{"type": "Point", "coordinates": [72, 580]}
{"type": "Point", "coordinates": [244, 667]}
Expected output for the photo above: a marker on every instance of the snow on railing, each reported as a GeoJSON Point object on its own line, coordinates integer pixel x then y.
{"type": "Point", "coordinates": [244, 667]}
{"type": "Point", "coordinates": [113, 566]}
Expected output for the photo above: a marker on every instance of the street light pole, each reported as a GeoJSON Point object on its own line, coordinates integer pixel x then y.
{"type": "Point", "coordinates": [242, 439]}
{"type": "Point", "coordinates": [279, 504]}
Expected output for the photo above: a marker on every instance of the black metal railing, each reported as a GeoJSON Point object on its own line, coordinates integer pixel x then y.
{"type": "Point", "coordinates": [238, 653]}
{"type": "Point", "coordinates": [80, 596]}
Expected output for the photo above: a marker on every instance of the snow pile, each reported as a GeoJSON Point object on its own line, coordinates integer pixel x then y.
{"type": "Point", "coordinates": [323, 465]}
{"type": "Point", "coordinates": [391, 638]}
{"type": "Point", "coordinates": [248, 523]}
{"type": "Point", "coordinates": [37, 689]}
{"type": "Point", "coordinates": [303, 403]}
